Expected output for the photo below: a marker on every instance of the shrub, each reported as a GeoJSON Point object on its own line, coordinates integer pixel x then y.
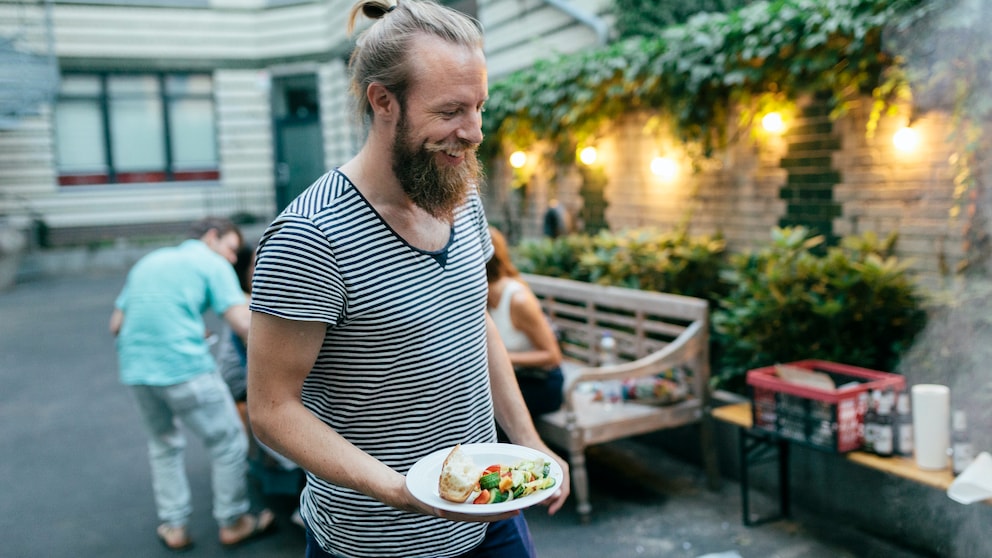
{"type": "Point", "coordinates": [645, 259]}
{"type": "Point", "coordinates": [855, 304]}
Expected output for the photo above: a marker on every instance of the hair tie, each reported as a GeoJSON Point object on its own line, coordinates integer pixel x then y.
{"type": "Point", "coordinates": [391, 8]}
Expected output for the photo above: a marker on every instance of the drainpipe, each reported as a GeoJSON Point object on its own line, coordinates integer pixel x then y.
{"type": "Point", "coordinates": [592, 20]}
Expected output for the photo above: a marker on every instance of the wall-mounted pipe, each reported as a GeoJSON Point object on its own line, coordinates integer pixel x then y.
{"type": "Point", "coordinates": [592, 20]}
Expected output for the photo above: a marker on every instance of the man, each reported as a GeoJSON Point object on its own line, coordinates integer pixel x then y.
{"type": "Point", "coordinates": [165, 360]}
{"type": "Point", "coordinates": [370, 345]}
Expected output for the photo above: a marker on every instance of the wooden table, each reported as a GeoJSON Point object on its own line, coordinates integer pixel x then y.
{"type": "Point", "coordinates": [756, 446]}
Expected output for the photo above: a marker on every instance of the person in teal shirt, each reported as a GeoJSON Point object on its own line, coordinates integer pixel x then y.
{"type": "Point", "coordinates": [165, 360]}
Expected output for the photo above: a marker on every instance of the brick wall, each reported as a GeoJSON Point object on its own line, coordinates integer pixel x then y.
{"type": "Point", "coordinates": [822, 173]}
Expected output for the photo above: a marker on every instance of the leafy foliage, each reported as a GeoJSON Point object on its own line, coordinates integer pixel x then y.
{"type": "Point", "coordinates": [695, 71]}
{"type": "Point", "coordinates": [645, 17]}
{"type": "Point", "coordinates": [643, 259]}
{"type": "Point", "coordinates": [855, 304]}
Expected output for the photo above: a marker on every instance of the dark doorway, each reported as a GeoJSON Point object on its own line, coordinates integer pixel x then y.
{"type": "Point", "coordinates": [299, 143]}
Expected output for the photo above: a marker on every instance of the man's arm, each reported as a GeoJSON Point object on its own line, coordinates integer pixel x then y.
{"type": "Point", "coordinates": [511, 411]}
{"type": "Point", "coordinates": [281, 354]}
{"type": "Point", "coordinates": [116, 321]}
{"type": "Point", "coordinates": [238, 317]}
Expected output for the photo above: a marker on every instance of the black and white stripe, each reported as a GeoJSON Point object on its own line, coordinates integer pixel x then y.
{"type": "Point", "coordinates": [403, 368]}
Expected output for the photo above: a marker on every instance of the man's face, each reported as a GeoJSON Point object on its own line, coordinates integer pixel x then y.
{"type": "Point", "coordinates": [440, 126]}
{"type": "Point", "coordinates": [226, 245]}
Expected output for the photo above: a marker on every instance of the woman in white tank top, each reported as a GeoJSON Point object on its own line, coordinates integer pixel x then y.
{"type": "Point", "coordinates": [525, 330]}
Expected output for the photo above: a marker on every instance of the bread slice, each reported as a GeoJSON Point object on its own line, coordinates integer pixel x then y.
{"type": "Point", "coordinates": [459, 476]}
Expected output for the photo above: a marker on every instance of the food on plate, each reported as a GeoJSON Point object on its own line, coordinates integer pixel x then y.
{"type": "Point", "coordinates": [461, 479]}
{"type": "Point", "coordinates": [459, 476]}
{"type": "Point", "coordinates": [503, 483]}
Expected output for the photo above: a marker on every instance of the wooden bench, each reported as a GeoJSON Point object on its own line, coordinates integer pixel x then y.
{"type": "Point", "coordinates": [654, 333]}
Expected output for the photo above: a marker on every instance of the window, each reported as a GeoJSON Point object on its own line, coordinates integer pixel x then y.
{"type": "Point", "coordinates": [129, 128]}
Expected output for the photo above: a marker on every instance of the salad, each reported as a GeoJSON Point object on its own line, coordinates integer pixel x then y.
{"type": "Point", "coordinates": [503, 483]}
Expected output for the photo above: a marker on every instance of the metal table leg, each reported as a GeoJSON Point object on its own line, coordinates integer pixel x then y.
{"type": "Point", "coordinates": [755, 449]}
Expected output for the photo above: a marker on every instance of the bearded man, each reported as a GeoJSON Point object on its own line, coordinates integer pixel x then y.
{"type": "Point", "coordinates": [370, 345]}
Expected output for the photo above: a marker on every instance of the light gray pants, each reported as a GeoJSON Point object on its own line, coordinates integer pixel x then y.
{"type": "Point", "coordinates": [205, 407]}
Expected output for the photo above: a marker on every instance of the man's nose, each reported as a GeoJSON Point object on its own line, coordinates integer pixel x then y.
{"type": "Point", "coordinates": [471, 130]}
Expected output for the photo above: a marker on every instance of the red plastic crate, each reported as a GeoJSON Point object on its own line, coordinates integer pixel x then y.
{"type": "Point", "coordinates": [829, 420]}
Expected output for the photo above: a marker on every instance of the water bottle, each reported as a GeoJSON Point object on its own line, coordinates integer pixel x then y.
{"type": "Point", "coordinates": [612, 389]}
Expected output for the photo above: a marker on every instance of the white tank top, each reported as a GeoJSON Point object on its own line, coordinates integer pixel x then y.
{"type": "Point", "coordinates": [514, 339]}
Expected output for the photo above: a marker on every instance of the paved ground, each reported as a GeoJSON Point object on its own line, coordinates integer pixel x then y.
{"type": "Point", "coordinates": [74, 477]}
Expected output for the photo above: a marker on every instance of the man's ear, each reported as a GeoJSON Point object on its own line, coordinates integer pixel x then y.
{"type": "Point", "coordinates": [210, 237]}
{"type": "Point", "coordinates": [384, 103]}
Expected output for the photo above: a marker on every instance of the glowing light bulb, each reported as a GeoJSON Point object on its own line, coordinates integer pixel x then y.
{"type": "Point", "coordinates": [518, 159]}
{"type": "Point", "coordinates": [906, 140]}
{"type": "Point", "coordinates": [773, 123]}
{"type": "Point", "coordinates": [588, 155]}
{"type": "Point", "coordinates": [665, 168]}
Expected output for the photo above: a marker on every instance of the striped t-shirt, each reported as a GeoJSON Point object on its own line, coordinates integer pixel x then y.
{"type": "Point", "coordinates": [403, 369]}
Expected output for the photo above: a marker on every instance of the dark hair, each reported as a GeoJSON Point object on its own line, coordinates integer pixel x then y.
{"type": "Point", "coordinates": [242, 266]}
{"type": "Point", "coordinates": [380, 54]}
{"type": "Point", "coordinates": [500, 264]}
{"type": "Point", "coordinates": [221, 225]}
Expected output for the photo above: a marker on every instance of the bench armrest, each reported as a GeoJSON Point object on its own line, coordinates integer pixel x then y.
{"type": "Point", "coordinates": [684, 349]}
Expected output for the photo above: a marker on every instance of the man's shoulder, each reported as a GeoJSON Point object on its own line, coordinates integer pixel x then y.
{"type": "Point", "coordinates": [321, 194]}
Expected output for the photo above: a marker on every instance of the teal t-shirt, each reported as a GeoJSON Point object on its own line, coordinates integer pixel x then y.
{"type": "Point", "coordinates": [164, 298]}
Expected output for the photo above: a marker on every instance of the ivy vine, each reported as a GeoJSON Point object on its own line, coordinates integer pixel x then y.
{"type": "Point", "coordinates": [695, 71]}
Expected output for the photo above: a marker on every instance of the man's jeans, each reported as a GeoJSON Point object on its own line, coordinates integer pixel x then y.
{"type": "Point", "coordinates": [509, 538]}
{"type": "Point", "coordinates": [205, 407]}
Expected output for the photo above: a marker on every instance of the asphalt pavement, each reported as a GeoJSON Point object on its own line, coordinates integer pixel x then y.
{"type": "Point", "coordinates": [74, 479]}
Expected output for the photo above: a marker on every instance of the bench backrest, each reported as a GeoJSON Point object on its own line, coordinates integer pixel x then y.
{"type": "Point", "coordinates": [641, 322]}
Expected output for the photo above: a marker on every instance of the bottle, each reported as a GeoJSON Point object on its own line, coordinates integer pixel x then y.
{"type": "Point", "coordinates": [962, 452]}
{"type": "Point", "coordinates": [863, 404]}
{"type": "Point", "coordinates": [904, 426]}
{"type": "Point", "coordinates": [883, 441]}
{"type": "Point", "coordinates": [871, 421]}
{"type": "Point", "coordinates": [612, 389]}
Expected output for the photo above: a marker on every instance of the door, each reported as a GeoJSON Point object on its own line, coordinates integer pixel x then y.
{"type": "Point", "coordinates": [299, 143]}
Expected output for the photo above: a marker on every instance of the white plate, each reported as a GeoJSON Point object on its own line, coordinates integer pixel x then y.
{"type": "Point", "coordinates": [424, 475]}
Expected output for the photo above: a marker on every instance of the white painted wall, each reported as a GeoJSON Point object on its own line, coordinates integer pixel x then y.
{"type": "Point", "coordinates": [243, 43]}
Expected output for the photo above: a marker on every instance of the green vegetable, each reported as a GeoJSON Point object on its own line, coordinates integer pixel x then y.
{"type": "Point", "coordinates": [517, 492]}
{"type": "Point", "coordinates": [495, 496]}
{"type": "Point", "coordinates": [489, 480]}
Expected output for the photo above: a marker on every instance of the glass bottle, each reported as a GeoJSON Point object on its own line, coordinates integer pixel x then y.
{"type": "Point", "coordinates": [883, 439]}
{"type": "Point", "coordinates": [871, 421]}
{"type": "Point", "coordinates": [904, 426]}
{"type": "Point", "coordinates": [612, 389]}
{"type": "Point", "coordinates": [962, 452]}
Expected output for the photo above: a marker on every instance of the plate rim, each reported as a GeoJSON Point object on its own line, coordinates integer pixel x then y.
{"type": "Point", "coordinates": [514, 451]}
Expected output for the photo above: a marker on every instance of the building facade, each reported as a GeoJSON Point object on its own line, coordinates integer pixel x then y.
{"type": "Point", "coordinates": [168, 110]}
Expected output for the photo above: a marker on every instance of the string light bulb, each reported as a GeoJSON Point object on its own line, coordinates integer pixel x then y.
{"type": "Point", "coordinates": [773, 123]}
{"type": "Point", "coordinates": [906, 139]}
{"type": "Point", "coordinates": [518, 159]}
{"type": "Point", "coordinates": [665, 168]}
{"type": "Point", "coordinates": [588, 155]}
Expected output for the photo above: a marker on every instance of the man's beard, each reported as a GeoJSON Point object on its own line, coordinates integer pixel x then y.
{"type": "Point", "coordinates": [437, 189]}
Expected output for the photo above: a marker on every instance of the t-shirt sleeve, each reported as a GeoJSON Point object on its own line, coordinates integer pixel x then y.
{"type": "Point", "coordinates": [225, 290]}
{"type": "Point", "coordinates": [296, 273]}
{"type": "Point", "coordinates": [482, 227]}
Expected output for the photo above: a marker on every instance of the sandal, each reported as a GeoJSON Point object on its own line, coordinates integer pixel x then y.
{"type": "Point", "coordinates": [174, 538]}
{"type": "Point", "coordinates": [248, 527]}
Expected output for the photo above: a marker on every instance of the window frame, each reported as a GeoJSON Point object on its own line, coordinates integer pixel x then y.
{"type": "Point", "coordinates": [112, 174]}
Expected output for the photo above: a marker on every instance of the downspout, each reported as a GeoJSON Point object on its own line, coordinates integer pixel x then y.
{"type": "Point", "coordinates": [592, 20]}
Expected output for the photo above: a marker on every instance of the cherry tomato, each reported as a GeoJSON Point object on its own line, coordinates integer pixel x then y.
{"type": "Point", "coordinates": [482, 498]}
